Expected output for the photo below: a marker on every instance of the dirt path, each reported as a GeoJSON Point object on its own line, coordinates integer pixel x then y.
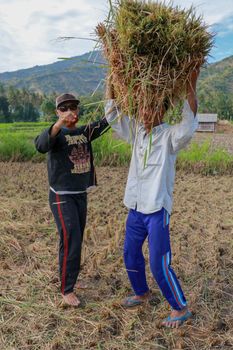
{"type": "Point", "coordinates": [32, 316]}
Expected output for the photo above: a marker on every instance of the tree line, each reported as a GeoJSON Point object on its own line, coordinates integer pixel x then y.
{"type": "Point", "coordinates": [19, 105]}
{"type": "Point", "coordinates": [219, 102]}
{"type": "Point", "coordinates": [22, 105]}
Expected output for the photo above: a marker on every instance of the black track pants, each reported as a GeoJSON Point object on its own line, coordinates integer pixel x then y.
{"type": "Point", "coordinates": [70, 213]}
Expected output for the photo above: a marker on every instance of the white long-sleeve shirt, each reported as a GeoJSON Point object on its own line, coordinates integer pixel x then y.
{"type": "Point", "coordinates": [151, 175]}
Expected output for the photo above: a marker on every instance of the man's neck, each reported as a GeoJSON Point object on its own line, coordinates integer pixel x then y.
{"type": "Point", "coordinates": [71, 128]}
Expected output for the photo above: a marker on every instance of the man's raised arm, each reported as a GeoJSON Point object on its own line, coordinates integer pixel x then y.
{"type": "Point", "coordinates": [183, 132]}
{"type": "Point", "coordinates": [120, 123]}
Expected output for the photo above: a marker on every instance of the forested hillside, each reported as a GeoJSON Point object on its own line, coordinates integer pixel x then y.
{"type": "Point", "coordinates": [85, 74]}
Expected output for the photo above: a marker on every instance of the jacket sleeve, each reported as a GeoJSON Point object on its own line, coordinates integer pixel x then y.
{"type": "Point", "coordinates": [120, 123]}
{"type": "Point", "coordinates": [96, 129]}
{"type": "Point", "coordinates": [44, 142]}
{"type": "Point", "coordinates": [182, 133]}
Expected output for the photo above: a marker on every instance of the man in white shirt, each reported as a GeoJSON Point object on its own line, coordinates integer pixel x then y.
{"type": "Point", "coordinates": [148, 196]}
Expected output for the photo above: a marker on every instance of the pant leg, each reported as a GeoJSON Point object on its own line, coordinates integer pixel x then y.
{"type": "Point", "coordinates": [160, 258]}
{"type": "Point", "coordinates": [81, 201]}
{"type": "Point", "coordinates": [134, 260]}
{"type": "Point", "coordinates": [65, 211]}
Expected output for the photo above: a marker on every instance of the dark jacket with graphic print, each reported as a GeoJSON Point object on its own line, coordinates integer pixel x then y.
{"type": "Point", "coordinates": [70, 158]}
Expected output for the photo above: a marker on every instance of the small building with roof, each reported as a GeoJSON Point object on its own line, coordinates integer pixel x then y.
{"type": "Point", "coordinates": [207, 122]}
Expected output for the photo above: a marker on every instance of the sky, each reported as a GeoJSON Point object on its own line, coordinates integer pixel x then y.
{"type": "Point", "coordinates": [29, 29]}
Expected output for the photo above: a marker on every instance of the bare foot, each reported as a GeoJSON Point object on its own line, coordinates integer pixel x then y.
{"type": "Point", "coordinates": [71, 299]}
{"type": "Point", "coordinates": [143, 297]}
{"type": "Point", "coordinates": [172, 322]}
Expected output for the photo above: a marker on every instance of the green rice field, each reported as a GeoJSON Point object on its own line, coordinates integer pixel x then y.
{"type": "Point", "coordinates": [17, 144]}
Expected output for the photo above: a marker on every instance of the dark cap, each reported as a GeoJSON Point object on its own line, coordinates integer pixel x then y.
{"type": "Point", "coordinates": [66, 98]}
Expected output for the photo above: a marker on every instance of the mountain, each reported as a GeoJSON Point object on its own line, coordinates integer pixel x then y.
{"type": "Point", "coordinates": [218, 77]}
{"type": "Point", "coordinates": [80, 74]}
{"type": "Point", "coordinates": [83, 74]}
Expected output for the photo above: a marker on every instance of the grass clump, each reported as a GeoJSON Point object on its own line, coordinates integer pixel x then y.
{"type": "Point", "coordinates": [152, 48]}
{"type": "Point", "coordinates": [111, 151]}
{"type": "Point", "coordinates": [17, 141]}
{"type": "Point", "coordinates": [18, 147]}
{"type": "Point", "coordinates": [205, 160]}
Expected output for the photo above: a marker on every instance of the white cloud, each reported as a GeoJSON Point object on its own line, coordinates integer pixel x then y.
{"type": "Point", "coordinates": [35, 26]}
{"type": "Point", "coordinates": [29, 28]}
{"type": "Point", "coordinates": [213, 11]}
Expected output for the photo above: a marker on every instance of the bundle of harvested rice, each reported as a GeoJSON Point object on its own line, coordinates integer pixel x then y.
{"type": "Point", "coordinates": [151, 49]}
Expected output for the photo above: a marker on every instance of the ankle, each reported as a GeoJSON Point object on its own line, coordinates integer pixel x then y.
{"type": "Point", "coordinates": [184, 310]}
{"type": "Point", "coordinates": [66, 294]}
{"type": "Point", "coordinates": [144, 296]}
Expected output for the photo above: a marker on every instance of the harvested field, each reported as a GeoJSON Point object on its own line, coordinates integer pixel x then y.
{"type": "Point", "coordinates": [32, 316]}
{"type": "Point", "coordinates": [222, 138]}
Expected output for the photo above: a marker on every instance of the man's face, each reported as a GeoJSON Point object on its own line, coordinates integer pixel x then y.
{"type": "Point", "coordinates": [69, 112]}
{"type": "Point", "coordinates": [152, 119]}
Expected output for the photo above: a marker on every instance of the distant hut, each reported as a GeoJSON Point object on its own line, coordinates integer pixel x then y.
{"type": "Point", "coordinates": [207, 122]}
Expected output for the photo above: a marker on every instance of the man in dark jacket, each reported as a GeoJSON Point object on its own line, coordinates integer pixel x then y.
{"type": "Point", "coordinates": [71, 172]}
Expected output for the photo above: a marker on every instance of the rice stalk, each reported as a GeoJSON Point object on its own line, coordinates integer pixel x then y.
{"type": "Point", "coordinates": [151, 49]}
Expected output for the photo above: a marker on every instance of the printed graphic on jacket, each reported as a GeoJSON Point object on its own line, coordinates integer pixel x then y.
{"type": "Point", "coordinates": [75, 139]}
{"type": "Point", "coordinates": [80, 157]}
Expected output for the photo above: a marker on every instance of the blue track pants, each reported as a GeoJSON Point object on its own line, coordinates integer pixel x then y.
{"type": "Point", "coordinates": [156, 227]}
